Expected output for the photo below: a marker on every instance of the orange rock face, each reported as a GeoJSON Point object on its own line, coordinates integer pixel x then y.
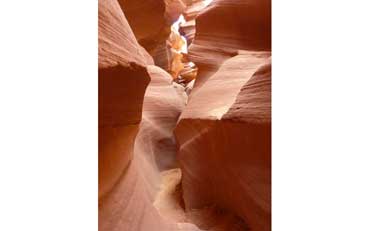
{"type": "Point", "coordinates": [175, 158]}
{"type": "Point", "coordinates": [163, 104]}
{"type": "Point", "coordinates": [151, 20]}
{"type": "Point", "coordinates": [225, 141]}
{"type": "Point", "coordinates": [122, 82]}
{"type": "Point", "coordinates": [130, 204]}
{"type": "Point", "coordinates": [224, 133]}
{"type": "Point", "coordinates": [224, 28]}
{"type": "Point", "coordinates": [188, 29]}
{"type": "Point", "coordinates": [133, 130]}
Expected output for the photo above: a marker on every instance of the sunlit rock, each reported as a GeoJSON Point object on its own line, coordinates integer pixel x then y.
{"type": "Point", "coordinates": [122, 82]}
{"type": "Point", "coordinates": [133, 129]}
{"type": "Point", "coordinates": [225, 27]}
{"type": "Point", "coordinates": [224, 136]}
{"type": "Point", "coordinates": [224, 132]}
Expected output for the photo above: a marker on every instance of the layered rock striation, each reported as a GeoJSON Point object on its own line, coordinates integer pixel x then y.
{"type": "Point", "coordinates": [163, 104]}
{"type": "Point", "coordinates": [225, 140]}
{"type": "Point", "coordinates": [192, 10]}
{"type": "Point", "coordinates": [168, 161]}
{"type": "Point", "coordinates": [224, 28]}
{"type": "Point", "coordinates": [138, 109]}
{"type": "Point", "coordinates": [224, 133]}
{"type": "Point", "coordinates": [151, 21]}
{"type": "Point", "coordinates": [122, 82]}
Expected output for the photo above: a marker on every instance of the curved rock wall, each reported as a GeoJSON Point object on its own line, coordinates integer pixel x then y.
{"type": "Point", "coordinates": [224, 28]}
{"type": "Point", "coordinates": [163, 104]}
{"type": "Point", "coordinates": [151, 20]}
{"type": "Point", "coordinates": [135, 128]}
{"type": "Point", "coordinates": [225, 142]}
{"type": "Point", "coordinates": [188, 29]}
{"type": "Point", "coordinates": [130, 204]}
{"type": "Point", "coordinates": [224, 133]}
{"type": "Point", "coordinates": [122, 82]}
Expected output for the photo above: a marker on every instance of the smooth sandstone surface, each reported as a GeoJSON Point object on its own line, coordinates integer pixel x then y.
{"type": "Point", "coordinates": [163, 103]}
{"type": "Point", "coordinates": [151, 20]}
{"type": "Point", "coordinates": [190, 13]}
{"type": "Point", "coordinates": [133, 129]}
{"type": "Point", "coordinates": [122, 82]}
{"type": "Point", "coordinates": [131, 205]}
{"type": "Point", "coordinates": [225, 142]}
{"type": "Point", "coordinates": [225, 27]}
{"type": "Point", "coordinates": [218, 93]}
{"type": "Point", "coordinates": [146, 18]}
{"type": "Point", "coordinates": [173, 10]}
{"type": "Point", "coordinates": [224, 132]}
{"type": "Point", "coordinates": [166, 159]}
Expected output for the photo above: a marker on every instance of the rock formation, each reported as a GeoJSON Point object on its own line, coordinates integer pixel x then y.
{"type": "Point", "coordinates": [224, 28]}
{"type": "Point", "coordinates": [225, 140]}
{"type": "Point", "coordinates": [176, 43]}
{"type": "Point", "coordinates": [133, 129]}
{"type": "Point", "coordinates": [224, 132]}
{"type": "Point", "coordinates": [192, 155]}
{"type": "Point", "coordinates": [189, 71]}
{"type": "Point", "coordinates": [163, 103]}
{"type": "Point", "coordinates": [122, 82]}
{"type": "Point", "coordinates": [191, 12]}
{"type": "Point", "coordinates": [151, 21]}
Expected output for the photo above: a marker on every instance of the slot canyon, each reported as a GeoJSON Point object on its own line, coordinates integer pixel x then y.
{"type": "Point", "coordinates": [184, 115]}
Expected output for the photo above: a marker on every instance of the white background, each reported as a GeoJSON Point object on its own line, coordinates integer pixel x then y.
{"type": "Point", "coordinates": [321, 115]}
{"type": "Point", "coordinates": [48, 115]}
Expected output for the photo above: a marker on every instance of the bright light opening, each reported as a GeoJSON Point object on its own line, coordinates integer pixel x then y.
{"type": "Point", "coordinates": [175, 29]}
{"type": "Point", "coordinates": [183, 70]}
{"type": "Point", "coordinates": [176, 25]}
{"type": "Point", "coordinates": [207, 2]}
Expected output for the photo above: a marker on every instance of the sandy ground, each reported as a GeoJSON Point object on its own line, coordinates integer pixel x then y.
{"type": "Point", "coordinates": [170, 205]}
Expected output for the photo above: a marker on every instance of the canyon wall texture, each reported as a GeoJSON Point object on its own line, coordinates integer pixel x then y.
{"type": "Point", "coordinates": [133, 129]}
{"type": "Point", "coordinates": [151, 22]}
{"type": "Point", "coordinates": [225, 27]}
{"type": "Point", "coordinates": [122, 82]}
{"type": "Point", "coordinates": [163, 103]}
{"type": "Point", "coordinates": [225, 141]}
{"type": "Point", "coordinates": [190, 13]}
{"type": "Point", "coordinates": [224, 133]}
{"type": "Point", "coordinates": [192, 155]}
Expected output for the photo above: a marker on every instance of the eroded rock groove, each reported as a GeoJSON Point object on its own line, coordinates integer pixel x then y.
{"type": "Point", "coordinates": [184, 115]}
